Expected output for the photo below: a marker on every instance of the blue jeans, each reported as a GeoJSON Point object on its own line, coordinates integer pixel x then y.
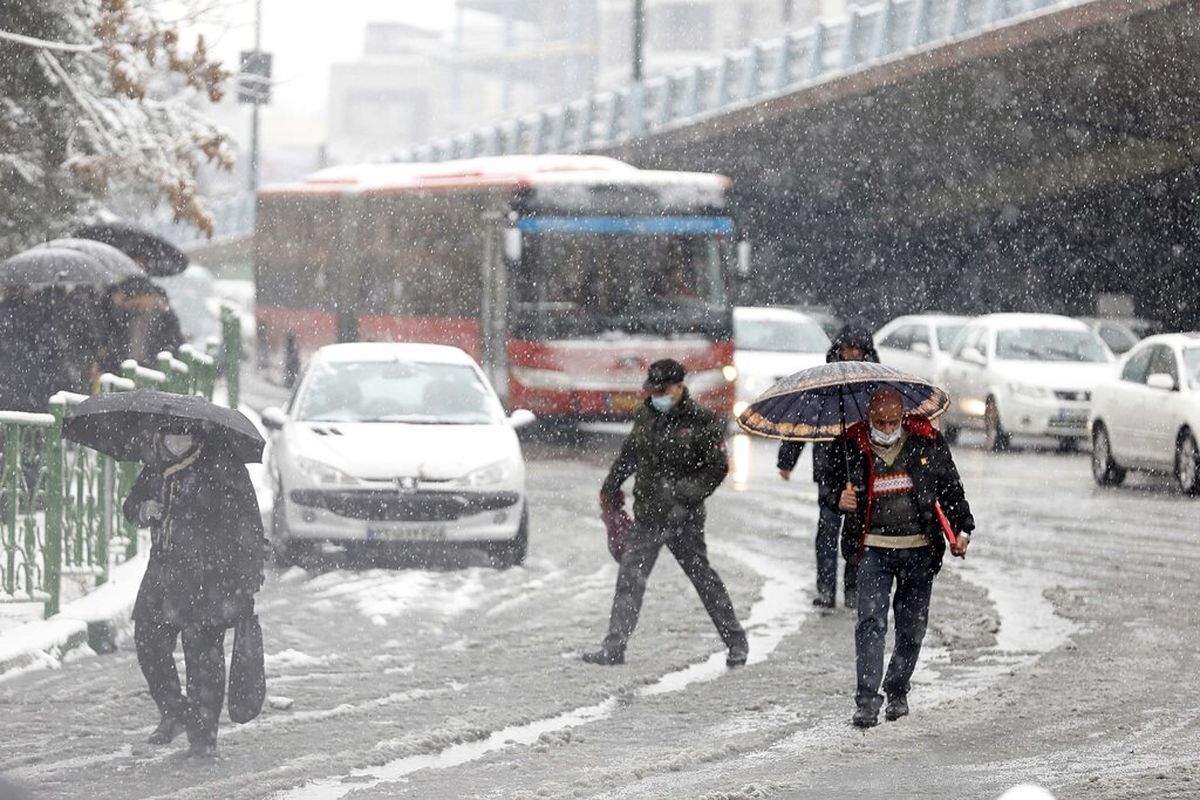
{"type": "Point", "coordinates": [912, 572]}
{"type": "Point", "coordinates": [829, 528]}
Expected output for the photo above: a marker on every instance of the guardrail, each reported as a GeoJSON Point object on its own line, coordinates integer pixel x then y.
{"type": "Point", "coordinates": [831, 47]}
{"type": "Point", "coordinates": [60, 503]}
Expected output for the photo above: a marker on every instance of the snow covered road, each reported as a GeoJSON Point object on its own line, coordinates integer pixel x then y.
{"type": "Point", "coordinates": [1057, 654]}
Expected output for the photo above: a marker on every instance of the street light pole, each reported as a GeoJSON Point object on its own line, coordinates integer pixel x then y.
{"type": "Point", "coordinates": [639, 37]}
{"type": "Point", "coordinates": [254, 108]}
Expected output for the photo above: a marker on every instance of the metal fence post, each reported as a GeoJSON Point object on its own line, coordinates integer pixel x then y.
{"type": "Point", "coordinates": [231, 344]}
{"type": "Point", "coordinates": [921, 16]}
{"type": "Point", "coordinates": [55, 489]}
{"type": "Point", "coordinates": [816, 56]}
{"type": "Point", "coordinates": [12, 481]}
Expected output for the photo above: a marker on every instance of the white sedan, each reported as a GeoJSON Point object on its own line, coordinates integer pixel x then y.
{"type": "Point", "coordinates": [1148, 417]}
{"type": "Point", "coordinates": [386, 444]}
{"type": "Point", "coordinates": [1030, 374]}
{"type": "Point", "coordinates": [918, 344]}
{"type": "Point", "coordinates": [769, 344]}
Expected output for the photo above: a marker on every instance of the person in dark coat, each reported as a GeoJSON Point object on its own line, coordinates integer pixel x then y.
{"type": "Point", "coordinates": [138, 324]}
{"type": "Point", "coordinates": [893, 470]}
{"type": "Point", "coordinates": [206, 563]}
{"type": "Point", "coordinates": [676, 453]}
{"type": "Point", "coordinates": [853, 343]}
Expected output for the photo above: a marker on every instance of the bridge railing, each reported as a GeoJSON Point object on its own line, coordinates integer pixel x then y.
{"type": "Point", "coordinates": [831, 47]}
{"type": "Point", "coordinates": [60, 503]}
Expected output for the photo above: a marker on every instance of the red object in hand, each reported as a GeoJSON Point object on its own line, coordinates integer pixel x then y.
{"type": "Point", "coordinates": [616, 520]}
{"type": "Point", "coordinates": [947, 529]}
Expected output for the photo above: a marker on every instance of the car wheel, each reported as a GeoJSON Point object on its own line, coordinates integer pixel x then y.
{"type": "Point", "coordinates": [996, 438]}
{"type": "Point", "coordinates": [1187, 463]}
{"type": "Point", "coordinates": [512, 553]}
{"type": "Point", "coordinates": [1104, 467]}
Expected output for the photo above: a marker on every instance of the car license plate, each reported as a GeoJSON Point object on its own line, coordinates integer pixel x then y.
{"type": "Point", "coordinates": [407, 533]}
{"type": "Point", "coordinates": [626, 402]}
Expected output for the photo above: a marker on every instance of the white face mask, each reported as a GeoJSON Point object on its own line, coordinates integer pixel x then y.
{"type": "Point", "coordinates": [885, 439]}
{"type": "Point", "coordinates": [177, 443]}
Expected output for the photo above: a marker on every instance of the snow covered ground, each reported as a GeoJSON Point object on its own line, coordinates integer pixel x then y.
{"type": "Point", "coordinates": [1059, 653]}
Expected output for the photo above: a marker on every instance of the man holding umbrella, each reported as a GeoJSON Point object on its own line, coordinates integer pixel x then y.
{"type": "Point", "coordinates": [207, 544]}
{"type": "Point", "coordinates": [676, 452]}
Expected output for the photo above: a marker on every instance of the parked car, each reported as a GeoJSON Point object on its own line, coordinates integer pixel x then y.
{"type": "Point", "coordinates": [1148, 416]}
{"type": "Point", "coordinates": [769, 344]}
{"type": "Point", "coordinates": [918, 344]}
{"type": "Point", "coordinates": [1119, 337]}
{"type": "Point", "coordinates": [193, 298]}
{"type": "Point", "coordinates": [1029, 374]}
{"type": "Point", "coordinates": [385, 444]}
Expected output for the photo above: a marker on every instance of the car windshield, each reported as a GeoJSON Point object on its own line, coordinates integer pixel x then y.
{"type": "Point", "coordinates": [396, 391]}
{"type": "Point", "coordinates": [1049, 344]}
{"type": "Point", "coordinates": [947, 333]}
{"type": "Point", "coordinates": [779, 336]}
{"type": "Point", "coordinates": [1191, 364]}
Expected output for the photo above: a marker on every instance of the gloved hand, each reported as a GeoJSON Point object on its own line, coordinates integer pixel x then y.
{"type": "Point", "coordinates": [150, 511]}
{"type": "Point", "coordinates": [616, 521]}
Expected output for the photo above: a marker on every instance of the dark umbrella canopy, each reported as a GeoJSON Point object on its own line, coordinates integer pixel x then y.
{"type": "Point", "coordinates": [119, 265]}
{"type": "Point", "coordinates": [819, 403]}
{"type": "Point", "coordinates": [52, 266]}
{"type": "Point", "coordinates": [156, 255]}
{"type": "Point", "coordinates": [120, 424]}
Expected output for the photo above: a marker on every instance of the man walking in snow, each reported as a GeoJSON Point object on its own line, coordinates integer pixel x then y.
{"type": "Point", "coordinates": [891, 472]}
{"type": "Point", "coordinates": [676, 453]}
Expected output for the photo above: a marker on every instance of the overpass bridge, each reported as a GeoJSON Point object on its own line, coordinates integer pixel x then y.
{"type": "Point", "coordinates": [969, 155]}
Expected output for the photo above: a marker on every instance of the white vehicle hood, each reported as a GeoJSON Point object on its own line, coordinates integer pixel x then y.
{"type": "Point", "coordinates": [1063, 375]}
{"type": "Point", "coordinates": [390, 450]}
{"type": "Point", "coordinates": [758, 369]}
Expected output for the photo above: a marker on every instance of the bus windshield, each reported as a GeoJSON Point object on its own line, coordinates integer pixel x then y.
{"type": "Point", "coordinates": [587, 284]}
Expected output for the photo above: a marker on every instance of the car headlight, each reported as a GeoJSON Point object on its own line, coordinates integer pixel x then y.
{"type": "Point", "coordinates": [489, 475]}
{"type": "Point", "coordinates": [541, 378]}
{"type": "Point", "coordinates": [1029, 390]}
{"type": "Point", "coordinates": [323, 474]}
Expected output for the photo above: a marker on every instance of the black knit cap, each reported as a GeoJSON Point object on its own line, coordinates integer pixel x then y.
{"type": "Point", "coordinates": [663, 373]}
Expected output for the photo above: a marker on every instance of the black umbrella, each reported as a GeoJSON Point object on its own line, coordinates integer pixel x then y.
{"type": "Point", "coordinates": [819, 403]}
{"type": "Point", "coordinates": [120, 423]}
{"type": "Point", "coordinates": [119, 265]}
{"type": "Point", "coordinates": [52, 266]}
{"type": "Point", "coordinates": [156, 255]}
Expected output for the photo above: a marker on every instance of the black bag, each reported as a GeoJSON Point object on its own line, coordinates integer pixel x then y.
{"type": "Point", "coordinates": [247, 672]}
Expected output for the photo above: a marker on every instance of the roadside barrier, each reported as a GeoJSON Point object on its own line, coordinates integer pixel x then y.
{"type": "Point", "coordinates": [60, 503]}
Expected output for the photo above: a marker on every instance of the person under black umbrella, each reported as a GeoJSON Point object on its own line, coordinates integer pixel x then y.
{"type": "Point", "coordinates": [207, 544]}
{"type": "Point", "coordinates": [138, 323]}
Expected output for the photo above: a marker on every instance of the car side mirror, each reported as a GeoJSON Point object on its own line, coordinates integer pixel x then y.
{"type": "Point", "coordinates": [521, 418]}
{"type": "Point", "coordinates": [972, 356]}
{"type": "Point", "coordinates": [1161, 380]}
{"type": "Point", "coordinates": [922, 348]}
{"type": "Point", "coordinates": [273, 418]}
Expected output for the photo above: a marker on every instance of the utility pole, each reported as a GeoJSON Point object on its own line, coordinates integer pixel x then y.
{"type": "Point", "coordinates": [639, 37]}
{"type": "Point", "coordinates": [254, 109]}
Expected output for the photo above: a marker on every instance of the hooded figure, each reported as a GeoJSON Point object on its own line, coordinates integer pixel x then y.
{"type": "Point", "coordinates": [138, 324]}
{"type": "Point", "coordinates": [852, 343]}
{"type": "Point", "coordinates": [206, 563]}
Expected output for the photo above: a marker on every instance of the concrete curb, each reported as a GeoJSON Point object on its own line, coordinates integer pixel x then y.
{"type": "Point", "coordinates": [95, 620]}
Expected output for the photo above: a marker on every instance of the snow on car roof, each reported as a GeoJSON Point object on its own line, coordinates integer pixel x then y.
{"type": "Point", "coordinates": [393, 351]}
{"type": "Point", "coordinates": [516, 171]}
{"type": "Point", "coordinates": [1036, 320]}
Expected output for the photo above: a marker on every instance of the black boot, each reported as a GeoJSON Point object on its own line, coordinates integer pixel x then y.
{"type": "Point", "coordinates": [866, 715]}
{"type": "Point", "coordinates": [897, 707]}
{"type": "Point", "coordinates": [738, 652]}
{"type": "Point", "coordinates": [169, 726]}
{"type": "Point", "coordinates": [603, 657]}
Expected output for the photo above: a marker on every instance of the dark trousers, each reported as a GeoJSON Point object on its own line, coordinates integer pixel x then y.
{"type": "Point", "coordinates": [829, 529]}
{"type": "Point", "coordinates": [912, 572]}
{"type": "Point", "coordinates": [204, 659]}
{"type": "Point", "coordinates": [641, 551]}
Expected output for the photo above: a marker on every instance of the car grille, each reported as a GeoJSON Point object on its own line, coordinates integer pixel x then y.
{"type": "Point", "coordinates": [1078, 396]}
{"type": "Point", "coordinates": [397, 506]}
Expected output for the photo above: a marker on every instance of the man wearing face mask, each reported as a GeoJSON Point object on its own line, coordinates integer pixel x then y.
{"type": "Point", "coordinates": [206, 563]}
{"type": "Point", "coordinates": [676, 453]}
{"type": "Point", "coordinates": [891, 472]}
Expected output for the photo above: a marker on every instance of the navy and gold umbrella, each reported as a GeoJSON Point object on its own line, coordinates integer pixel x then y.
{"type": "Point", "coordinates": [819, 403]}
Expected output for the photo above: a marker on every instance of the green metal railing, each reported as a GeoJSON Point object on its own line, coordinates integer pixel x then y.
{"type": "Point", "coordinates": [60, 503]}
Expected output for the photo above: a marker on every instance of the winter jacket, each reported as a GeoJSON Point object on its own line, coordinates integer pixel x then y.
{"type": "Point", "coordinates": [206, 554]}
{"type": "Point", "coordinates": [677, 460]}
{"type": "Point", "coordinates": [789, 452]}
{"type": "Point", "coordinates": [935, 478]}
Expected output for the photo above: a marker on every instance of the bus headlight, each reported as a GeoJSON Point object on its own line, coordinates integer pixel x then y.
{"type": "Point", "coordinates": [534, 378]}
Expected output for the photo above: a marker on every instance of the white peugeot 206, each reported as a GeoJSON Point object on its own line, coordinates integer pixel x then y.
{"type": "Point", "coordinates": [393, 444]}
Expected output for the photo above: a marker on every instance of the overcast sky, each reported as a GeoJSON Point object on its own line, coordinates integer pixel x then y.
{"type": "Point", "coordinates": [305, 37]}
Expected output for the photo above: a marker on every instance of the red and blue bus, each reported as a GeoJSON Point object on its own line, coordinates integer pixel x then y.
{"type": "Point", "coordinates": [564, 276]}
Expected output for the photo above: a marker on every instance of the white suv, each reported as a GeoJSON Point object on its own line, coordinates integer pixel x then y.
{"type": "Point", "coordinates": [1030, 374]}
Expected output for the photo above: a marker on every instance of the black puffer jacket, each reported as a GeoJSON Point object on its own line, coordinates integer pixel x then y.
{"type": "Point", "coordinates": [206, 556]}
{"type": "Point", "coordinates": [789, 452]}
{"type": "Point", "coordinates": [935, 479]}
{"type": "Point", "coordinates": [678, 459]}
